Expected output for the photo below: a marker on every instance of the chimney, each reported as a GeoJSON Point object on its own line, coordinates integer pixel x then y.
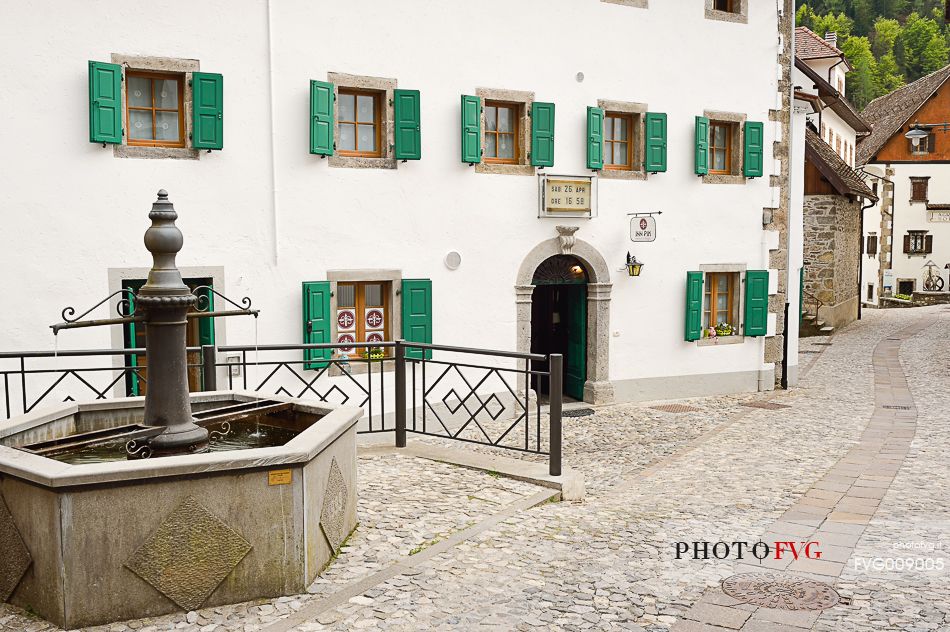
{"type": "Point", "coordinates": [832, 38]}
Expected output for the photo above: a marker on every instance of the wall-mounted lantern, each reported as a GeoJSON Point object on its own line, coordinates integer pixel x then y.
{"type": "Point", "coordinates": [633, 266]}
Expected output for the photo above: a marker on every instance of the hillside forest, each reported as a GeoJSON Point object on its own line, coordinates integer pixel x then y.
{"type": "Point", "coordinates": [888, 42]}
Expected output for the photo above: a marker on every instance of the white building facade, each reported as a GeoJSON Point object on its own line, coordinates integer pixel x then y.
{"type": "Point", "coordinates": [322, 160]}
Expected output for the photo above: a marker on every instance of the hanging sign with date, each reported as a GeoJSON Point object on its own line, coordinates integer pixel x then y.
{"type": "Point", "coordinates": [567, 196]}
{"type": "Point", "coordinates": [643, 228]}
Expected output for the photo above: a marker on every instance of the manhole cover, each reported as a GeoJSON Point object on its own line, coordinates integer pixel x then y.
{"type": "Point", "coordinates": [895, 407]}
{"type": "Point", "coordinates": [808, 351]}
{"type": "Point", "coordinates": [783, 592]}
{"type": "Point", "coordinates": [577, 412]}
{"type": "Point", "coordinates": [823, 344]}
{"type": "Point", "coordinates": [765, 405]}
{"type": "Point", "coordinates": [676, 408]}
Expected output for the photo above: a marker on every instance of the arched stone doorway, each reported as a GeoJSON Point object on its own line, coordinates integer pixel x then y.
{"type": "Point", "coordinates": [597, 387]}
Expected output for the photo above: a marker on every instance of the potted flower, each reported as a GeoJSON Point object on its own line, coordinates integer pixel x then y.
{"type": "Point", "coordinates": [724, 329]}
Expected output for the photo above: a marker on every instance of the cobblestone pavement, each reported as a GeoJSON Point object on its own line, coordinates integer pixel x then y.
{"type": "Point", "coordinates": [728, 472]}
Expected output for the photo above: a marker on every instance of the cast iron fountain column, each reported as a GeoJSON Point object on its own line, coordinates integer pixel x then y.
{"type": "Point", "coordinates": [165, 299]}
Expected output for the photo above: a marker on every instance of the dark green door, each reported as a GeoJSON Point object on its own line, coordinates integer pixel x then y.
{"type": "Point", "coordinates": [575, 361]}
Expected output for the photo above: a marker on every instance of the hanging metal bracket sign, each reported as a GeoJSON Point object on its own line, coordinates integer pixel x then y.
{"type": "Point", "coordinates": [643, 226]}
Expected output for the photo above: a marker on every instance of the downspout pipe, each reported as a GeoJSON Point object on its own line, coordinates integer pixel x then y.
{"type": "Point", "coordinates": [861, 250]}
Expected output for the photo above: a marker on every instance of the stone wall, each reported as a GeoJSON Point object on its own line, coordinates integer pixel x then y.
{"type": "Point", "coordinates": [833, 255]}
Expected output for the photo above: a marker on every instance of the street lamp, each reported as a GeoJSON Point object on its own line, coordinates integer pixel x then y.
{"type": "Point", "coordinates": [917, 131]}
{"type": "Point", "coordinates": [633, 266]}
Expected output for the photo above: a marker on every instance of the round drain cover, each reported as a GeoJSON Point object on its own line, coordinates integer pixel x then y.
{"type": "Point", "coordinates": [784, 592]}
{"type": "Point", "coordinates": [577, 412]}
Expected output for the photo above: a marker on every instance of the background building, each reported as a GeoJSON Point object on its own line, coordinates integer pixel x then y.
{"type": "Point", "coordinates": [369, 173]}
{"type": "Point", "coordinates": [912, 221]}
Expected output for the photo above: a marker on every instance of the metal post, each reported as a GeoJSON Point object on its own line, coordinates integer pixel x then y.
{"type": "Point", "coordinates": [400, 394]}
{"type": "Point", "coordinates": [555, 391]}
{"type": "Point", "coordinates": [209, 372]}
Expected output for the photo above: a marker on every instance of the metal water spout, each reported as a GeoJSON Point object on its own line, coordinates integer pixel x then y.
{"type": "Point", "coordinates": [163, 305]}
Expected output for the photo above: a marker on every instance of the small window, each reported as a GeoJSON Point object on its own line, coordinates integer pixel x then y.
{"type": "Point", "coordinates": [720, 147]}
{"type": "Point", "coordinates": [924, 146]}
{"type": "Point", "coordinates": [838, 145]}
{"type": "Point", "coordinates": [359, 123]}
{"type": "Point", "coordinates": [870, 291]}
{"type": "Point", "coordinates": [618, 141]}
{"type": "Point", "coordinates": [729, 6]}
{"type": "Point", "coordinates": [871, 246]}
{"type": "Point", "coordinates": [502, 131]}
{"type": "Point", "coordinates": [721, 303]}
{"type": "Point", "coordinates": [363, 313]}
{"type": "Point", "coordinates": [905, 287]}
{"type": "Point", "coordinates": [918, 189]}
{"type": "Point", "coordinates": [154, 109]}
{"type": "Point", "coordinates": [916, 242]}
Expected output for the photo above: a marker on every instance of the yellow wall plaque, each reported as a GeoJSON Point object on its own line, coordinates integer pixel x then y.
{"type": "Point", "coordinates": [567, 195]}
{"type": "Point", "coordinates": [280, 477]}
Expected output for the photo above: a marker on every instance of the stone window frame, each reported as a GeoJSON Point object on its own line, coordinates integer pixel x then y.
{"type": "Point", "coordinates": [369, 275]}
{"type": "Point", "coordinates": [636, 4]}
{"type": "Point", "coordinates": [185, 67]}
{"type": "Point", "coordinates": [735, 268]}
{"type": "Point", "coordinates": [922, 252]}
{"type": "Point", "coordinates": [738, 17]}
{"type": "Point", "coordinates": [926, 182]}
{"type": "Point", "coordinates": [639, 111]}
{"type": "Point", "coordinates": [525, 100]}
{"type": "Point", "coordinates": [387, 87]}
{"type": "Point", "coordinates": [738, 139]}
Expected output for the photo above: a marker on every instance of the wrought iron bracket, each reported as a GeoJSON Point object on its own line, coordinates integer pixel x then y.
{"type": "Point", "coordinates": [125, 308]}
{"type": "Point", "coordinates": [203, 304]}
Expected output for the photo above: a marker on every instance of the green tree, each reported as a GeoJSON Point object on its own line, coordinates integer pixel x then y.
{"type": "Point", "coordinates": [862, 80]}
{"type": "Point", "coordinates": [885, 33]}
{"type": "Point", "coordinates": [888, 77]}
{"type": "Point", "coordinates": [920, 47]}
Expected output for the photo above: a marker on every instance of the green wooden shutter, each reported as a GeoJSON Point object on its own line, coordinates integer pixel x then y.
{"type": "Point", "coordinates": [316, 323]}
{"type": "Point", "coordinates": [471, 129]}
{"type": "Point", "coordinates": [417, 315]}
{"type": "Point", "coordinates": [655, 142]}
{"type": "Point", "coordinates": [756, 302]}
{"type": "Point", "coordinates": [542, 134]}
{"type": "Point", "coordinates": [206, 325]}
{"type": "Point", "coordinates": [753, 155]}
{"type": "Point", "coordinates": [321, 118]}
{"type": "Point", "coordinates": [694, 306]}
{"type": "Point", "coordinates": [105, 103]}
{"type": "Point", "coordinates": [207, 90]}
{"type": "Point", "coordinates": [408, 125]}
{"type": "Point", "coordinates": [702, 145]}
{"type": "Point", "coordinates": [595, 138]}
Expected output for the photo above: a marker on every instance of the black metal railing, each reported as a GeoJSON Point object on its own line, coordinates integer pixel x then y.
{"type": "Point", "coordinates": [477, 396]}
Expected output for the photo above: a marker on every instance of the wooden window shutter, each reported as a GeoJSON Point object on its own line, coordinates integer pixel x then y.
{"type": "Point", "coordinates": [207, 91]}
{"type": "Point", "coordinates": [694, 306]}
{"type": "Point", "coordinates": [105, 103]}
{"type": "Point", "coordinates": [542, 134]}
{"type": "Point", "coordinates": [417, 315]}
{"type": "Point", "coordinates": [408, 124]}
{"type": "Point", "coordinates": [321, 118]}
{"type": "Point", "coordinates": [471, 129]}
{"type": "Point", "coordinates": [595, 138]}
{"type": "Point", "coordinates": [928, 244]}
{"type": "Point", "coordinates": [702, 145]}
{"type": "Point", "coordinates": [756, 302]}
{"type": "Point", "coordinates": [655, 142]}
{"type": "Point", "coordinates": [316, 323]}
{"type": "Point", "coordinates": [753, 155]}
{"type": "Point", "coordinates": [872, 245]}
{"type": "Point", "coordinates": [907, 243]}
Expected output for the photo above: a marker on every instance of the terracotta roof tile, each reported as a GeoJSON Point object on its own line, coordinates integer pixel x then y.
{"type": "Point", "coordinates": [831, 163]}
{"type": "Point", "coordinates": [887, 114]}
{"type": "Point", "coordinates": [809, 45]}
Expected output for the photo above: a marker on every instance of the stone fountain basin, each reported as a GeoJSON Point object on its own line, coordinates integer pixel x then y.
{"type": "Point", "coordinates": [90, 544]}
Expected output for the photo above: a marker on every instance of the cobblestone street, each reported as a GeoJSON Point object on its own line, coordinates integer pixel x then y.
{"type": "Point", "coordinates": [853, 458]}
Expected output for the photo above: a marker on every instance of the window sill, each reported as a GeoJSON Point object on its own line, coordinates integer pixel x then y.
{"type": "Point", "coordinates": [356, 162]}
{"type": "Point", "coordinates": [622, 174]}
{"type": "Point", "coordinates": [722, 178]}
{"type": "Point", "coordinates": [361, 367]}
{"type": "Point", "coordinates": [636, 4]}
{"type": "Point", "coordinates": [143, 151]}
{"type": "Point", "coordinates": [511, 170]}
{"type": "Point", "coordinates": [727, 16]}
{"type": "Point", "coordinates": [720, 340]}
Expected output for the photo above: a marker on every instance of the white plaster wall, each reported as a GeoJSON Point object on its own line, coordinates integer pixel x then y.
{"type": "Point", "coordinates": [74, 211]}
{"type": "Point", "coordinates": [828, 117]}
{"type": "Point", "coordinates": [796, 233]}
{"type": "Point", "coordinates": [871, 264]}
{"type": "Point", "coordinates": [913, 216]}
